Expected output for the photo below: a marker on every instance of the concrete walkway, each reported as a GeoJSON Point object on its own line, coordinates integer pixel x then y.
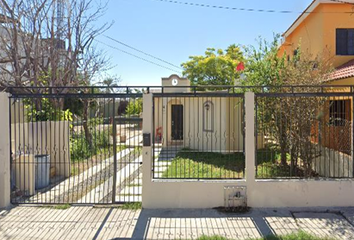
{"type": "Point", "coordinates": [115, 223]}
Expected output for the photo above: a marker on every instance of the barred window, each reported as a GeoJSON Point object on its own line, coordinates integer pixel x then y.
{"type": "Point", "coordinates": [337, 112]}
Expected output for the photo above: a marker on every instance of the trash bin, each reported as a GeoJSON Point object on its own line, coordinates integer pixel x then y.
{"type": "Point", "coordinates": [42, 171]}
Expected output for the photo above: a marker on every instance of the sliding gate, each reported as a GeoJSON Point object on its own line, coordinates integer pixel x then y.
{"type": "Point", "coordinates": [76, 145]}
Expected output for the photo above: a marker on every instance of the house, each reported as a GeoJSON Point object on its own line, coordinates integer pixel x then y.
{"type": "Point", "coordinates": [326, 28]}
{"type": "Point", "coordinates": [209, 123]}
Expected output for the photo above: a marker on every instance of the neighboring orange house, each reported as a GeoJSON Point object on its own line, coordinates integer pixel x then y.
{"type": "Point", "coordinates": [327, 27]}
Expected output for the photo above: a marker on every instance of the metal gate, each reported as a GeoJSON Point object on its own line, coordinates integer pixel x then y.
{"type": "Point", "coordinates": [76, 145]}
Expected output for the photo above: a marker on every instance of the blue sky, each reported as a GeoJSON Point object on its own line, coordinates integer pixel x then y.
{"type": "Point", "coordinates": [174, 32]}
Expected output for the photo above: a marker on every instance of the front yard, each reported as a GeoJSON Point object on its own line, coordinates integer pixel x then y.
{"type": "Point", "coordinates": [205, 165]}
{"type": "Point", "coordinates": [191, 164]}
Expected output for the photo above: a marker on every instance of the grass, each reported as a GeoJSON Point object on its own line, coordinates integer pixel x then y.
{"type": "Point", "coordinates": [78, 166]}
{"type": "Point", "coordinates": [293, 236]}
{"type": "Point", "coordinates": [132, 206]}
{"type": "Point", "coordinates": [134, 185]}
{"type": "Point", "coordinates": [59, 207]}
{"type": "Point", "coordinates": [189, 164]}
{"type": "Point", "coordinates": [269, 165]}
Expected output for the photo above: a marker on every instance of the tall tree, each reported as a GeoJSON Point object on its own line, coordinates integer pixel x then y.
{"type": "Point", "coordinates": [288, 122]}
{"type": "Point", "coordinates": [216, 67]}
{"type": "Point", "coordinates": [37, 43]}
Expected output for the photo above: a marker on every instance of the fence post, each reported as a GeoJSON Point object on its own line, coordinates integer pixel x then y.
{"type": "Point", "coordinates": [250, 137]}
{"type": "Point", "coordinates": [147, 150]}
{"type": "Point", "coordinates": [5, 189]}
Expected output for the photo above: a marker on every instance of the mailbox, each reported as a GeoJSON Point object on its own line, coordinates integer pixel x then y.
{"type": "Point", "coordinates": [146, 139]}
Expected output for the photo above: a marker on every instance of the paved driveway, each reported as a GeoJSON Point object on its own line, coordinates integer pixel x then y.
{"type": "Point", "coordinates": [115, 223]}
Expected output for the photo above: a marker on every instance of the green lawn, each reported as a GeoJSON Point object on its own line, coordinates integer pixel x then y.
{"type": "Point", "coordinates": [204, 165]}
{"type": "Point", "coordinates": [294, 236]}
{"type": "Point", "coordinates": [209, 165]}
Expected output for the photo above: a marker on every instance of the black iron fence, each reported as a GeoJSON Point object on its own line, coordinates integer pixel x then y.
{"type": "Point", "coordinates": [305, 134]}
{"type": "Point", "coordinates": [76, 145]}
{"type": "Point", "coordinates": [198, 134]}
{"type": "Point", "coordinates": [83, 144]}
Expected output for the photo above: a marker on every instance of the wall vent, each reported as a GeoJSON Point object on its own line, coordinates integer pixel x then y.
{"type": "Point", "coordinates": [235, 196]}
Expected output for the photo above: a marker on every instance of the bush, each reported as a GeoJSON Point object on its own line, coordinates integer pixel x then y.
{"type": "Point", "coordinates": [45, 111]}
{"type": "Point", "coordinates": [135, 107]}
{"type": "Point", "coordinates": [80, 148]}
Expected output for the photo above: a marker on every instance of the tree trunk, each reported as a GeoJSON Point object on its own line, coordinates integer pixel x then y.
{"type": "Point", "coordinates": [88, 134]}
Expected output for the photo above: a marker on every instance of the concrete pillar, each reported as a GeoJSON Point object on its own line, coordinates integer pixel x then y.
{"type": "Point", "coordinates": [147, 150]}
{"type": "Point", "coordinates": [250, 137]}
{"type": "Point", "coordinates": [5, 189]}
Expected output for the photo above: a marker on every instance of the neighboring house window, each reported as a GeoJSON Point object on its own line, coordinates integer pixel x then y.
{"type": "Point", "coordinates": [208, 116]}
{"type": "Point", "coordinates": [345, 42]}
{"type": "Point", "coordinates": [338, 112]}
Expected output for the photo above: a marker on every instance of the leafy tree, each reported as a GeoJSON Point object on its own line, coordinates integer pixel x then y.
{"type": "Point", "coordinates": [110, 83]}
{"type": "Point", "coordinates": [263, 65]}
{"type": "Point", "coordinates": [288, 122]}
{"type": "Point", "coordinates": [216, 67]}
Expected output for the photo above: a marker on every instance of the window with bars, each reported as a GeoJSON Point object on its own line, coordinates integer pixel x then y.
{"type": "Point", "coordinates": [338, 112]}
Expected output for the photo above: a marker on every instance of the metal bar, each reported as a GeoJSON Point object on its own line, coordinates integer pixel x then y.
{"type": "Point", "coordinates": [114, 185]}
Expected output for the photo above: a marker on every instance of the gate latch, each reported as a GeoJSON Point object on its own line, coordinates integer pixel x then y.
{"type": "Point", "coordinates": [146, 139]}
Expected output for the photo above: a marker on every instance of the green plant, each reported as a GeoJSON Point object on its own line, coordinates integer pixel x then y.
{"type": "Point", "coordinates": [215, 237]}
{"type": "Point", "coordinates": [45, 109]}
{"type": "Point", "coordinates": [301, 235]}
{"type": "Point", "coordinates": [216, 67]}
{"type": "Point", "coordinates": [132, 206]}
{"type": "Point", "coordinates": [135, 107]}
{"type": "Point", "coordinates": [59, 207]}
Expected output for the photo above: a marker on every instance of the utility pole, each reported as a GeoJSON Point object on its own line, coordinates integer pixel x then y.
{"type": "Point", "coordinates": [60, 19]}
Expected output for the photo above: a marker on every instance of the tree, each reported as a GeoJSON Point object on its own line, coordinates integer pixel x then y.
{"type": "Point", "coordinates": [216, 67]}
{"type": "Point", "coordinates": [288, 121]}
{"type": "Point", "coordinates": [110, 82]}
{"type": "Point", "coordinates": [263, 65]}
{"type": "Point", "coordinates": [36, 42]}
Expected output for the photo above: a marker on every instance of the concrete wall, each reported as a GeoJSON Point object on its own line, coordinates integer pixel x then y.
{"type": "Point", "coordinates": [259, 193]}
{"type": "Point", "coordinates": [333, 163]}
{"type": "Point", "coordinates": [5, 189]}
{"type": "Point", "coordinates": [43, 138]}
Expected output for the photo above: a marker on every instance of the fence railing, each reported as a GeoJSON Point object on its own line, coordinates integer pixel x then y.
{"type": "Point", "coordinates": [198, 133]}
{"type": "Point", "coordinates": [76, 147]}
{"type": "Point", "coordinates": [304, 135]}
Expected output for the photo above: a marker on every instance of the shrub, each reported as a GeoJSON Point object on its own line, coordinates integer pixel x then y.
{"type": "Point", "coordinates": [80, 149]}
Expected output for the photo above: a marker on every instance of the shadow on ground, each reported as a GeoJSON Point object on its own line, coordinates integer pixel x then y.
{"type": "Point", "coordinates": [116, 223]}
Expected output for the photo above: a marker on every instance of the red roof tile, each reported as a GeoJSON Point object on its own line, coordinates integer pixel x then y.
{"type": "Point", "coordinates": [344, 71]}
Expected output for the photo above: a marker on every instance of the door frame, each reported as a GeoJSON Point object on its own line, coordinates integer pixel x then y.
{"type": "Point", "coordinates": [180, 136]}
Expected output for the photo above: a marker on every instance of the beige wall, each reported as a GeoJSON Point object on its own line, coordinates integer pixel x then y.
{"type": "Point", "coordinates": [333, 163]}
{"type": "Point", "coordinates": [5, 189]}
{"type": "Point", "coordinates": [182, 82]}
{"type": "Point", "coordinates": [227, 134]}
{"type": "Point", "coordinates": [44, 138]}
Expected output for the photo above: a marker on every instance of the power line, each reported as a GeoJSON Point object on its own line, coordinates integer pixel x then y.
{"type": "Point", "coordinates": [147, 54]}
{"type": "Point", "coordinates": [339, 1]}
{"type": "Point", "coordinates": [203, 5]}
{"type": "Point", "coordinates": [136, 56]}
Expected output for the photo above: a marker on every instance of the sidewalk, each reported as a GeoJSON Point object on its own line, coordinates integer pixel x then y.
{"type": "Point", "coordinates": [115, 223]}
